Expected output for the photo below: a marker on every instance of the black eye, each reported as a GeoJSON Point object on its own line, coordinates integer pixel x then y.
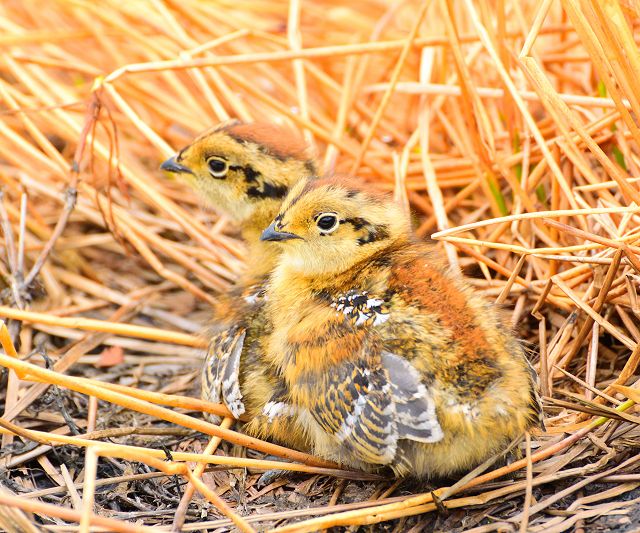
{"type": "Point", "coordinates": [218, 167]}
{"type": "Point", "coordinates": [327, 222]}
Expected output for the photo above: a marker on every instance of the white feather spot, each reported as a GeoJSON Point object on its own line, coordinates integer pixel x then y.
{"type": "Point", "coordinates": [273, 410]}
{"type": "Point", "coordinates": [347, 426]}
{"type": "Point", "coordinates": [251, 299]}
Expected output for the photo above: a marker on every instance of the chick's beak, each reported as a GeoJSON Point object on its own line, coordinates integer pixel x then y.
{"type": "Point", "coordinates": [272, 234]}
{"type": "Point", "coordinates": [171, 165]}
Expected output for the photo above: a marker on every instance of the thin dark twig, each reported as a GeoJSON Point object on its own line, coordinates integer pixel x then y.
{"type": "Point", "coordinates": [75, 430]}
{"type": "Point", "coordinates": [8, 235]}
{"type": "Point", "coordinates": [21, 236]}
{"type": "Point", "coordinates": [71, 193]}
{"type": "Point", "coordinates": [18, 275]}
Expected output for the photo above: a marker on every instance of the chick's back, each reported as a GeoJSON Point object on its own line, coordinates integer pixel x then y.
{"type": "Point", "coordinates": [467, 356]}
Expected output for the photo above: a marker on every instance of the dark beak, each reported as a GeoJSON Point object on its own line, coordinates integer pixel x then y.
{"type": "Point", "coordinates": [271, 234]}
{"type": "Point", "coordinates": [171, 165]}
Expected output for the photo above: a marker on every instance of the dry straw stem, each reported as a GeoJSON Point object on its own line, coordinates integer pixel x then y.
{"type": "Point", "coordinates": [141, 454]}
{"type": "Point", "coordinates": [27, 370]}
{"type": "Point", "coordinates": [87, 324]}
{"type": "Point", "coordinates": [181, 511]}
{"type": "Point", "coordinates": [510, 128]}
{"type": "Point", "coordinates": [98, 449]}
{"type": "Point", "coordinates": [70, 515]}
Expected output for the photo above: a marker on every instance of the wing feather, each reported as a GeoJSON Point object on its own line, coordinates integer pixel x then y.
{"type": "Point", "coordinates": [415, 407]}
{"type": "Point", "coordinates": [369, 406]}
{"type": "Point", "coordinates": [221, 371]}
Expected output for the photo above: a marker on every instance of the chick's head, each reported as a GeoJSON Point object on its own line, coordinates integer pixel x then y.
{"type": "Point", "coordinates": [327, 226]}
{"type": "Point", "coordinates": [243, 169]}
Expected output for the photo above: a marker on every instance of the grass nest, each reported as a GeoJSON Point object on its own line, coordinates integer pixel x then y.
{"type": "Point", "coordinates": [509, 128]}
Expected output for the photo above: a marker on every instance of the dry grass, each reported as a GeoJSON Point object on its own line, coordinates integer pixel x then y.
{"type": "Point", "coordinates": [510, 128]}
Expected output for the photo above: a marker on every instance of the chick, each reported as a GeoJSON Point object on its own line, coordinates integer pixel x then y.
{"type": "Point", "coordinates": [389, 358]}
{"type": "Point", "coordinates": [244, 170]}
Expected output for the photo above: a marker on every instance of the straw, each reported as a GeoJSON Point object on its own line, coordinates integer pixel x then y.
{"type": "Point", "coordinates": [508, 128]}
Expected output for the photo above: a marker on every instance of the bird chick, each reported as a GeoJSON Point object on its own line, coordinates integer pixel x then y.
{"type": "Point", "coordinates": [244, 170]}
{"type": "Point", "coordinates": [389, 358]}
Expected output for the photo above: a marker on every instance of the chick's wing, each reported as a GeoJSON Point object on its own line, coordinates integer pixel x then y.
{"type": "Point", "coordinates": [370, 402]}
{"type": "Point", "coordinates": [221, 371]}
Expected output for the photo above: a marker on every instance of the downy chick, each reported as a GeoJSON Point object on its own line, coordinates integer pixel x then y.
{"type": "Point", "coordinates": [244, 171]}
{"type": "Point", "coordinates": [389, 358]}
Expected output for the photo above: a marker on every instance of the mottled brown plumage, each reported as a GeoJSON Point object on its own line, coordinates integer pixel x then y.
{"type": "Point", "coordinates": [244, 171]}
{"type": "Point", "coordinates": [390, 359]}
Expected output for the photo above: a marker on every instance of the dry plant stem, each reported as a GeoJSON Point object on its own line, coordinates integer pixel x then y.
{"type": "Point", "coordinates": [544, 357]}
{"type": "Point", "coordinates": [382, 107]}
{"type": "Point", "coordinates": [608, 326]}
{"type": "Point", "coordinates": [288, 55]}
{"type": "Point", "coordinates": [7, 232]}
{"type": "Point", "coordinates": [11, 393]}
{"type": "Point", "coordinates": [517, 248]}
{"type": "Point", "coordinates": [539, 214]}
{"type": "Point", "coordinates": [592, 361]}
{"type": "Point", "coordinates": [341, 118]}
{"type": "Point", "coordinates": [242, 524]}
{"type": "Point", "coordinates": [480, 140]}
{"type": "Point", "coordinates": [551, 99]}
{"type": "Point", "coordinates": [629, 392]}
{"type": "Point", "coordinates": [630, 252]}
{"type": "Point", "coordinates": [21, 238]}
{"type": "Point", "coordinates": [524, 522]}
{"type": "Point", "coordinates": [629, 369]}
{"type": "Point", "coordinates": [561, 494]}
{"type": "Point", "coordinates": [88, 493]}
{"type": "Point", "coordinates": [170, 400]}
{"type": "Point", "coordinates": [70, 202]}
{"type": "Point", "coordinates": [181, 511]}
{"type": "Point", "coordinates": [169, 468]}
{"type": "Point", "coordinates": [92, 413]}
{"type": "Point", "coordinates": [435, 193]}
{"type": "Point", "coordinates": [99, 483]}
{"type": "Point", "coordinates": [441, 89]}
{"type": "Point", "coordinates": [125, 451]}
{"type": "Point", "coordinates": [486, 41]}
{"type": "Point", "coordinates": [296, 513]}
{"type": "Point", "coordinates": [68, 359]}
{"type": "Point", "coordinates": [597, 306]}
{"type": "Point", "coordinates": [89, 324]}
{"type": "Point", "coordinates": [483, 467]}
{"type": "Point", "coordinates": [73, 493]}
{"type": "Point", "coordinates": [585, 29]}
{"type": "Point", "coordinates": [191, 226]}
{"type": "Point", "coordinates": [504, 293]}
{"type": "Point", "coordinates": [70, 194]}
{"type": "Point", "coordinates": [15, 520]}
{"type": "Point", "coordinates": [295, 42]}
{"type": "Point", "coordinates": [28, 370]}
{"type": "Point", "coordinates": [589, 387]}
{"type": "Point", "coordinates": [621, 244]}
{"type": "Point", "coordinates": [64, 513]}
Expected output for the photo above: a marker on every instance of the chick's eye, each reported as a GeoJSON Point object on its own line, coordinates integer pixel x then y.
{"type": "Point", "coordinates": [327, 222]}
{"type": "Point", "coordinates": [218, 167]}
